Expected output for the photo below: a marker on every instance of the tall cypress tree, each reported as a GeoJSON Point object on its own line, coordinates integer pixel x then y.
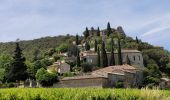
{"type": "Point", "coordinates": [86, 33]}
{"type": "Point", "coordinates": [18, 69]}
{"type": "Point", "coordinates": [137, 41]}
{"type": "Point", "coordinates": [87, 46]}
{"type": "Point", "coordinates": [104, 60]}
{"type": "Point", "coordinates": [77, 39]}
{"type": "Point", "coordinates": [98, 31]}
{"type": "Point", "coordinates": [78, 59]}
{"type": "Point", "coordinates": [109, 30]}
{"type": "Point", "coordinates": [112, 57]}
{"type": "Point", "coordinates": [119, 53]}
{"type": "Point", "coordinates": [95, 45]}
{"type": "Point", "coordinates": [128, 60]}
{"type": "Point", "coordinates": [98, 57]}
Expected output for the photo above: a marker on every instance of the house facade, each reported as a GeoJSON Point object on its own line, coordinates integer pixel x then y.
{"type": "Point", "coordinates": [135, 57]}
{"type": "Point", "coordinates": [105, 77]}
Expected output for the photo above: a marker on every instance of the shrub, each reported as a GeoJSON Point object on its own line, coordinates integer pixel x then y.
{"type": "Point", "coordinates": [45, 78]}
{"type": "Point", "coordinates": [86, 67]}
{"type": "Point", "coordinates": [119, 84]}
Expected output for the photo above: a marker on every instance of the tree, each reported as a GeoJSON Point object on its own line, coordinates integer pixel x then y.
{"type": "Point", "coordinates": [112, 59]}
{"type": "Point", "coordinates": [98, 57]}
{"type": "Point", "coordinates": [109, 30]}
{"type": "Point", "coordinates": [98, 31]}
{"type": "Point", "coordinates": [62, 48]}
{"type": "Point", "coordinates": [128, 60]}
{"type": "Point", "coordinates": [86, 33]}
{"type": "Point", "coordinates": [78, 59]}
{"type": "Point", "coordinates": [87, 46]}
{"type": "Point", "coordinates": [95, 45]}
{"type": "Point", "coordinates": [45, 78]}
{"type": "Point", "coordinates": [137, 41]}
{"type": "Point", "coordinates": [104, 60]}
{"type": "Point", "coordinates": [18, 68]}
{"type": "Point", "coordinates": [77, 39]}
{"type": "Point", "coordinates": [119, 53]}
{"type": "Point", "coordinates": [92, 31]}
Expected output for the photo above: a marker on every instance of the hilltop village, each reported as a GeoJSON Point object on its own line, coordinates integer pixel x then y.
{"type": "Point", "coordinates": [105, 58]}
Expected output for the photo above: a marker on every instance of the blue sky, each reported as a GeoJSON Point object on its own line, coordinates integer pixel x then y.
{"type": "Point", "coordinates": [30, 19]}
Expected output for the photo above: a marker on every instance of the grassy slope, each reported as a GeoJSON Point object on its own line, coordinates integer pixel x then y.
{"type": "Point", "coordinates": [83, 94]}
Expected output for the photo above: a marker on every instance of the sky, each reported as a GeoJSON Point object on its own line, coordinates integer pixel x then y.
{"type": "Point", "coordinates": [31, 19]}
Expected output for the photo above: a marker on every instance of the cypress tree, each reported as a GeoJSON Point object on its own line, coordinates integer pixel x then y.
{"type": "Point", "coordinates": [92, 31]}
{"type": "Point", "coordinates": [98, 31]}
{"type": "Point", "coordinates": [86, 33]}
{"type": "Point", "coordinates": [98, 57]}
{"type": "Point", "coordinates": [104, 60]}
{"type": "Point", "coordinates": [112, 57]}
{"type": "Point", "coordinates": [137, 41]}
{"type": "Point", "coordinates": [78, 59]}
{"type": "Point", "coordinates": [95, 45]}
{"type": "Point", "coordinates": [87, 46]}
{"type": "Point", "coordinates": [18, 69]}
{"type": "Point", "coordinates": [128, 60]}
{"type": "Point", "coordinates": [77, 39]}
{"type": "Point", "coordinates": [119, 53]}
{"type": "Point", "coordinates": [109, 30]}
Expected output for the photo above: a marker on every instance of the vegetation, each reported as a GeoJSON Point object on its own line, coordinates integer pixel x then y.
{"type": "Point", "coordinates": [83, 94]}
{"type": "Point", "coordinates": [104, 59]}
{"type": "Point", "coordinates": [18, 69]}
{"type": "Point", "coordinates": [45, 78]}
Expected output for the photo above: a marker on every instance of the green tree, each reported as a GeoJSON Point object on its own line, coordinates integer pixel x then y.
{"type": "Point", "coordinates": [98, 31]}
{"type": "Point", "coordinates": [112, 59]}
{"type": "Point", "coordinates": [109, 30]}
{"type": "Point", "coordinates": [119, 53]}
{"type": "Point", "coordinates": [128, 60]}
{"type": "Point", "coordinates": [95, 45]}
{"type": "Point", "coordinates": [45, 78]}
{"type": "Point", "coordinates": [87, 46]}
{"type": "Point", "coordinates": [77, 39]}
{"type": "Point", "coordinates": [86, 33]}
{"type": "Point", "coordinates": [62, 48]}
{"type": "Point", "coordinates": [78, 59]}
{"type": "Point", "coordinates": [98, 57]}
{"type": "Point", "coordinates": [137, 41]}
{"type": "Point", "coordinates": [104, 60]}
{"type": "Point", "coordinates": [18, 68]}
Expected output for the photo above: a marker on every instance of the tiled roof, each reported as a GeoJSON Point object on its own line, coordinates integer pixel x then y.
{"type": "Point", "coordinates": [117, 69]}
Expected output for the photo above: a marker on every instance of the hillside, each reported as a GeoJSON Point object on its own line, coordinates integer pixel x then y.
{"type": "Point", "coordinates": [40, 46]}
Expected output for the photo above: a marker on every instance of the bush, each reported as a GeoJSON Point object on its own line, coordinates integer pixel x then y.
{"type": "Point", "coordinates": [45, 78]}
{"type": "Point", "coordinates": [119, 84]}
{"type": "Point", "coordinates": [86, 67]}
{"type": "Point", "coordinates": [69, 74]}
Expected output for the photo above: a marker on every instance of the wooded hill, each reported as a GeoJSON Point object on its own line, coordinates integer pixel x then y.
{"type": "Point", "coordinates": [40, 46]}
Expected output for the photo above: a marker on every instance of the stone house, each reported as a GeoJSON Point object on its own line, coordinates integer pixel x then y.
{"type": "Point", "coordinates": [62, 67]}
{"type": "Point", "coordinates": [135, 57]}
{"type": "Point", "coordinates": [105, 77]}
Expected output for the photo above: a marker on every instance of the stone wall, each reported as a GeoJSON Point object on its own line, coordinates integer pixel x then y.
{"type": "Point", "coordinates": [89, 82]}
{"type": "Point", "coordinates": [135, 58]}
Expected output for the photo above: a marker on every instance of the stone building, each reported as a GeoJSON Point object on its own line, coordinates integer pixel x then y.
{"type": "Point", "coordinates": [135, 57]}
{"type": "Point", "coordinates": [62, 67]}
{"type": "Point", "coordinates": [106, 77]}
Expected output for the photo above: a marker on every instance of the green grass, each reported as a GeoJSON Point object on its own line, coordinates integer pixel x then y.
{"type": "Point", "coordinates": [82, 94]}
